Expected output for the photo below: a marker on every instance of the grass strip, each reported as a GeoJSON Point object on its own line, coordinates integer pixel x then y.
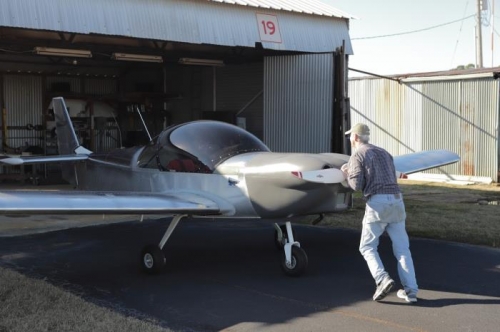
{"type": "Point", "coordinates": [28, 304]}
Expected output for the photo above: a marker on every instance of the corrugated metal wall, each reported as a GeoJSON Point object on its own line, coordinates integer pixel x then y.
{"type": "Point", "coordinates": [100, 87]}
{"type": "Point", "coordinates": [461, 115]}
{"type": "Point", "coordinates": [238, 85]}
{"type": "Point", "coordinates": [298, 103]}
{"type": "Point", "coordinates": [23, 96]}
{"type": "Point", "coordinates": [75, 83]}
{"type": "Point", "coordinates": [23, 102]}
{"type": "Point", "coordinates": [196, 22]}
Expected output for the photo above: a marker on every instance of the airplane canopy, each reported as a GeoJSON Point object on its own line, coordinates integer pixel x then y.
{"type": "Point", "coordinates": [209, 142]}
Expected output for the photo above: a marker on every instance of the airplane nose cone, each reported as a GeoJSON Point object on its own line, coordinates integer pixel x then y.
{"type": "Point", "coordinates": [276, 192]}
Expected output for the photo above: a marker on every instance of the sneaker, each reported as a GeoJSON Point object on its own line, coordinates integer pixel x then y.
{"type": "Point", "coordinates": [410, 298]}
{"type": "Point", "coordinates": [383, 288]}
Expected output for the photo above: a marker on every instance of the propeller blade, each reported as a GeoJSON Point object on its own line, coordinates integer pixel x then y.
{"type": "Point", "coordinates": [329, 175]}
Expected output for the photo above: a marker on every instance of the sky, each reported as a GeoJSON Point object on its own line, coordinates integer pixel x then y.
{"type": "Point", "coordinates": [436, 49]}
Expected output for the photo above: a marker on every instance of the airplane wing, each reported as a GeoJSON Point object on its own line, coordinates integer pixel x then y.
{"type": "Point", "coordinates": [406, 164]}
{"type": "Point", "coordinates": [88, 202]}
{"type": "Point", "coordinates": [42, 159]}
{"type": "Point", "coordinates": [421, 161]}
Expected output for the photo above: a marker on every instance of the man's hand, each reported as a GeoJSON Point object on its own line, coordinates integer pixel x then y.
{"type": "Point", "coordinates": [345, 170]}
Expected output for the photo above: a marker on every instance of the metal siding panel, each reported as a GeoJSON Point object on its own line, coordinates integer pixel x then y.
{"type": "Point", "coordinates": [391, 110]}
{"type": "Point", "coordinates": [312, 7]}
{"type": "Point", "coordinates": [310, 34]}
{"type": "Point", "coordinates": [481, 97]}
{"type": "Point", "coordinates": [460, 115]}
{"type": "Point", "coordinates": [100, 87]}
{"type": "Point", "coordinates": [298, 103]}
{"type": "Point", "coordinates": [441, 119]}
{"type": "Point", "coordinates": [236, 87]}
{"type": "Point", "coordinates": [412, 120]}
{"type": "Point", "coordinates": [75, 83]}
{"type": "Point", "coordinates": [197, 22]}
{"type": "Point", "coordinates": [23, 102]}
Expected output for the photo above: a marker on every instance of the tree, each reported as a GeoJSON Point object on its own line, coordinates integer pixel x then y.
{"type": "Point", "coordinates": [462, 67]}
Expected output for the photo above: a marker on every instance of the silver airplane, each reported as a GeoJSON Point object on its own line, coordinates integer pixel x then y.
{"type": "Point", "coordinates": [201, 168]}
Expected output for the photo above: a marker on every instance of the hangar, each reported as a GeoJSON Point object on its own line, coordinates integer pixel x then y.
{"type": "Point", "coordinates": [276, 68]}
{"type": "Point", "coordinates": [457, 110]}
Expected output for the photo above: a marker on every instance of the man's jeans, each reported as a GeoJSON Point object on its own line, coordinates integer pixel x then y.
{"type": "Point", "coordinates": [384, 213]}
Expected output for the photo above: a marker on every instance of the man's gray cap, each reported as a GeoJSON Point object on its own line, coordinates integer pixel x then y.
{"type": "Point", "coordinates": [359, 129]}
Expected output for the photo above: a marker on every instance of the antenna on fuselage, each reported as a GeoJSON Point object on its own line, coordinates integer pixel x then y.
{"type": "Point", "coordinates": [143, 123]}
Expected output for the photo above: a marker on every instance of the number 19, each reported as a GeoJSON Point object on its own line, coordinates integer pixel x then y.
{"type": "Point", "coordinates": [269, 26]}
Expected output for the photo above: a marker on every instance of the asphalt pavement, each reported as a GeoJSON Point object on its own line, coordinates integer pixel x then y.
{"type": "Point", "coordinates": [224, 275]}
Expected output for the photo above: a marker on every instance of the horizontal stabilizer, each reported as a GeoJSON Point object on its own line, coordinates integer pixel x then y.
{"type": "Point", "coordinates": [421, 161]}
{"type": "Point", "coordinates": [43, 159]}
{"type": "Point", "coordinates": [329, 175]}
{"type": "Point", "coordinates": [88, 202]}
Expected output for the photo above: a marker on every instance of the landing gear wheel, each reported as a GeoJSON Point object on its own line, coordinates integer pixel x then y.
{"type": "Point", "coordinates": [298, 264]}
{"type": "Point", "coordinates": [152, 259]}
{"type": "Point", "coordinates": [284, 240]}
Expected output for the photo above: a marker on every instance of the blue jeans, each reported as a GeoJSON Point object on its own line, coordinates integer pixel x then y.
{"type": "Point", "coordinates": [386, 213]}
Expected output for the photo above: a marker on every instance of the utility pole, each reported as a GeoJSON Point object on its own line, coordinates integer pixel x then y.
{"type": "Point", "coordinates": [479, 38]}
{"type": "Point", "coordinates": [492, 20]}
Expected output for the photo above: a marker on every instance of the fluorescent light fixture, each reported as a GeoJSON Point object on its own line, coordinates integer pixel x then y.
{"type": "Point", "coordinates": [201, 62]}
{"type": "Point", "coordinates": [63, 52]}
{"type": "Point", "coordinates": [136, 57]}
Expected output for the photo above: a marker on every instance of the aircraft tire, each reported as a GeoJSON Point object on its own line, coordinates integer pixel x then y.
{"type": "Point", "coordinates": [152, 259]}
{"type": "Point", "coordinates": [279, 244]}
{"type": "Point", "coordinates": [299, 262]}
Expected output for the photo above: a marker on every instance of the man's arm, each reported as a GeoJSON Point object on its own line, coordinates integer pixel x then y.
{"type": "Point", "coordinates": [354, 173]}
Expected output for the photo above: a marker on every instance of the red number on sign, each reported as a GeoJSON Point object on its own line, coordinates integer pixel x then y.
{"type": "Point", "coordinates": [269, 25]}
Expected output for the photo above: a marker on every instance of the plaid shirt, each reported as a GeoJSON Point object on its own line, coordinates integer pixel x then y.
{"type": "Point", "coordinates": [371, 169]}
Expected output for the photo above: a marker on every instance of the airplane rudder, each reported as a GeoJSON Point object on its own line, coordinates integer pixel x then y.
{"type": "Point", "coordinates": [66, 137]}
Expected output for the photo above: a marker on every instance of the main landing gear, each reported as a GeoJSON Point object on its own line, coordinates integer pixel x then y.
{"type": "Point", "coordinates": [294, 261]}
{"type": "Point", "coordinates": [152, 257]}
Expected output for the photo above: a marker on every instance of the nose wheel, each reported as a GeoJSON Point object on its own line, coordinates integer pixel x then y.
{"type": "Point", "coordinates": [297, 264]}
{"type": "Point", "coordinates": [294, 260]}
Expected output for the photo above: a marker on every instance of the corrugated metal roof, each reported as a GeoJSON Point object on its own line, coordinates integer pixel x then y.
{"type": "Point", "coordinates": [312, 7]}
{"type": "Point", "coordinates": [188, 21]}
{"type": "Point", "coordinates": [437, 75]}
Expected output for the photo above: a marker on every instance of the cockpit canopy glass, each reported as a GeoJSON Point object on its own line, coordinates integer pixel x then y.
{"type": "Point", "coordinates": [207, 142]}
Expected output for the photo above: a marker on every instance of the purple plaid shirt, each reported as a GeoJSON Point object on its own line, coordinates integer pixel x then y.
{"type": "Point", "coordinates": [371, 169]}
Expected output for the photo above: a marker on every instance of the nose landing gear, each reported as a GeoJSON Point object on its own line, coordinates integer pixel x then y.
{"type": "Point", "coordinates": [294, 261]}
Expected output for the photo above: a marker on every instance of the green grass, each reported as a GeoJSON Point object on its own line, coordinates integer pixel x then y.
{"type": "Point", "coordinates": [438, 211]}
{"type": "Point", "coordinates": [28, 304]}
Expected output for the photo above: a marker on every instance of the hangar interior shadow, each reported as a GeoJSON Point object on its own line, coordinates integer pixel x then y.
{"type": "Point", "coordinates": [222, 273]}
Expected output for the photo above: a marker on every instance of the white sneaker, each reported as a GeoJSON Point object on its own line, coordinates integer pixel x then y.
{"type": "Point", "coordinates": [410, 298]}
{"type": "Point", "coordinates": [383, 288]}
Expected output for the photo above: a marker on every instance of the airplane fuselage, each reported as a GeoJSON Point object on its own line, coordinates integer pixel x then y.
{"type": "Point", "coordinates": [251, 185]}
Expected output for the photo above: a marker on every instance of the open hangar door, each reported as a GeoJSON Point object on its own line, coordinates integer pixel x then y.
{"type": "Point", "coordinates": [103, 97]}
{"type": "Point", "coordinates": [305, 103]}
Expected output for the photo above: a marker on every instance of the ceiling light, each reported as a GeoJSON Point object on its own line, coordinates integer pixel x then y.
{"type": "Point", "coordinates": [201, 62]}
{"type": "Point", "coordinates": [136, 57]}
{"type": "Point", "coordinates": [63, 52]}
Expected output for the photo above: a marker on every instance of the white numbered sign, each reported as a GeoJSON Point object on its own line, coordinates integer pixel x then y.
{"type": "Point", "coordinates": [269, 28]}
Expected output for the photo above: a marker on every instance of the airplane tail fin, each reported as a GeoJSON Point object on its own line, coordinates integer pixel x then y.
{"type": "Point", "coordinates": [67, 140]}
